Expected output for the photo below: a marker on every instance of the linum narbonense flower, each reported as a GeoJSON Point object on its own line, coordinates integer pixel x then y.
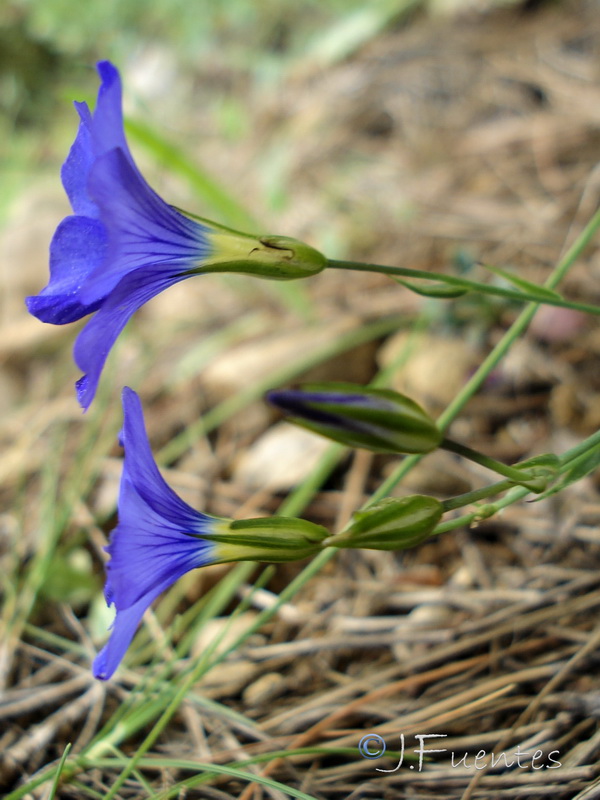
{"type": "Point", "coordinates": [159, 538]}
{"type": "Point", "coordinates": [123, 244]}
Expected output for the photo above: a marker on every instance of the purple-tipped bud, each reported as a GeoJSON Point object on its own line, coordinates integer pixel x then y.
{"type": "Point", "coordinates": [375, 419]}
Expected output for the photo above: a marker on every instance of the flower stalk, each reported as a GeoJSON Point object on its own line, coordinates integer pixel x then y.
{"type": "Point", "coordinates": [533, 475]}
{"type": "Point", "coordinates": [457, 286]}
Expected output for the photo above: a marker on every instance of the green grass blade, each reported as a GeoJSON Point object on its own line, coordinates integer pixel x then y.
{"type": "Point", "coordinates": [59, 771]}
{"type": "Point", "coordinates": [209, 190]}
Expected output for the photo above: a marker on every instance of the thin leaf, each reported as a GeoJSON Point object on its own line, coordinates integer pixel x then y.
{"type": "Point", "coordinates": [438, 290]}
{"type": "Point", "coordinates": [348, 34]}
{"type": "Point", "coordinates": [526, 286]}
{"type": "Point", "coordinates": [206, 771]}
{"type": "Point", "coordinates": [206, 187]}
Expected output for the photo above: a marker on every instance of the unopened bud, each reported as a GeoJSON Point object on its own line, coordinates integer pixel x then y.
{"type": "Point", "coordinates": [391, 524]}
{"type": "Point", "coordinates": [375, 419]}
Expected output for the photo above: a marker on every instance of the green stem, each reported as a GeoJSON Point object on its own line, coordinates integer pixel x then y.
{"type": "Point", "coordinates": [466, 284]}
{"type": "Point", "coordinates": [494, 357]}
{"type": "Point", "coordinates": [581, 450]}
{"type": "Point", "coordinates": [513, 474]}
{"type": "Point", "coordinates": [468, 498]}
{"type": "Point", "coordinates": [567, 461]}
{"type": "Point", "coordinates": [581, 242]}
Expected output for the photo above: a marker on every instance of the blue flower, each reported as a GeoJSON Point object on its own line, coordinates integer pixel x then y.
{"type": "Point", "coordinates": [158, 539]}
{"type": "Point", "coordinates": [123, 244]}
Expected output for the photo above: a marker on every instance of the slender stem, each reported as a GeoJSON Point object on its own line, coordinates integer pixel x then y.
{"type": "Point", "coordinates": [494, 357]}
{"type": "Point", "coordinates": [482, 512]}
{"type": "Point", "coordinates": [468, 498]}
{"type": "Point", "coordinates": [573, 463]}
{"type": "Point", "coordinates": [580, 450]}
{"type": "Point", "coordinates": [574, 251]}
{"type": "Point", "coordinates": [467, 285]}
{"type": "Point", "coordinates": [514, 474]}
{"type": "Point", "coordinates": [568, 460]}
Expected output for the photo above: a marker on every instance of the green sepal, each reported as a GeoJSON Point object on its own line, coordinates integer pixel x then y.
{"type": "Point", "coordinates": [582, 467]}
{"type": "Point", "coordinates": [273, 257]}
{"type": "Point", "coordinates": [526, 286]}
{"type": "Point", "coordinates": [272, 539]}
{"type": "Point", "coordinates": [543, 470]}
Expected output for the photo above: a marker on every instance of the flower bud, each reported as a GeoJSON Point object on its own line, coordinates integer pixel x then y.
{"type": "Point", "coordinates": [270, 539]}
{"type": "Point", "coordinates": [392, 524]}
{"type": "Point", "coordinates": [275, 257]}
{"type": "Point", "coordinates": [375, 419]}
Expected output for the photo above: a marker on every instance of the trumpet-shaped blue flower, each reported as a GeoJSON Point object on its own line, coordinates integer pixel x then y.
{"type": "Point", "coordinates": [124, 244]}
{"type": "Point", "coordinates": [157, 540]}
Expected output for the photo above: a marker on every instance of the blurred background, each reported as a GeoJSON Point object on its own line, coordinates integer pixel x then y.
{"type": "Point", "coordinates": [433, 135]}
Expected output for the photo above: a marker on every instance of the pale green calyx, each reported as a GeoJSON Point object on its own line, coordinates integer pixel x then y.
{"type": "Point", "coordinates": [272, 539]}
{"type": "Point", "coordinates": [273, 257]}
{"type": "Point", "coordinates": [543, 470]}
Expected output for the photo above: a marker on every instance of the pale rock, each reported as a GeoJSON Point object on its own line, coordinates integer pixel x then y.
{"type": "Point", "coordinates": [224, 630]}
{"type": "Point", "coordinates": [228, 678]}
{"type": "Point", "coordinates": [265, 689]}
{"type": "Point", "coordinates": [253, 361]}
{"type": "Point", "coordinates": [280, 459]}
{"type": "Point", "coordinates": [435, 370]}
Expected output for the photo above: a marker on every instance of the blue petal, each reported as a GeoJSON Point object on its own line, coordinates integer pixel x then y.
{"type": "Point", "coordinates": [107, 125]}
{"type": "Point", "coordinates": [146, 550]}
{"type": "Point", "coordinates": [78, 247]}
{"type": "Point", "coordinates": [142, 229]}
{"type": "Point", "coordinates": [158, 535]}
{"type": "Point", "coordinates": [76, 169]}
{"type": "Point", "coordinates": [95, 341]}
{"type": "Point", "coordinates": [123, 631]}
{"type": "Point", "coordinates": [143, 473]}
{"type": "Point", "coordinates": [97, 135]}
{"type": "Point", "coordinates": [155, 543]}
